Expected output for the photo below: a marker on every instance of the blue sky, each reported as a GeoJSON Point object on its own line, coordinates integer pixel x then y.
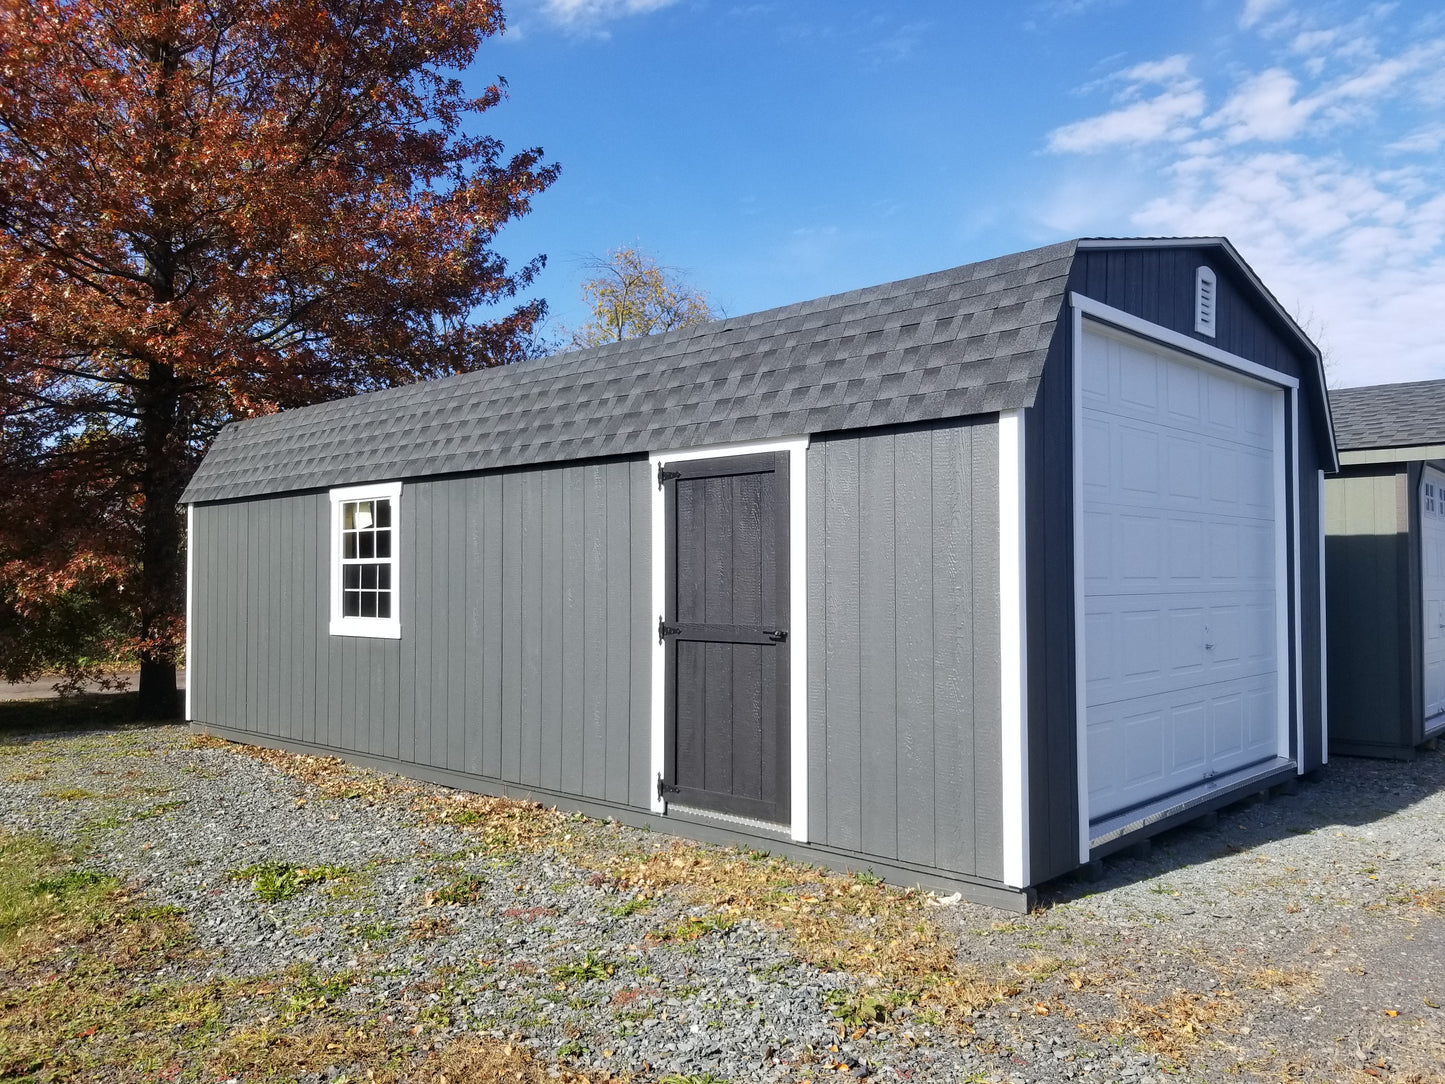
{"type": "Point", "coordinates": [779, 151]}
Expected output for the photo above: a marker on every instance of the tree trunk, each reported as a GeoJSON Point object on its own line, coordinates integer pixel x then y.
{"type": "Point", "coordinates": [162, 571]}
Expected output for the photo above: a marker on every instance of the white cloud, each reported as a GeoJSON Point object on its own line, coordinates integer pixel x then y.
{"type": "Point", "coordinates": [1347, 231]}
{"type": "Point", "coordinates": [1255, 10]}
{"type": "Point", "coordinates": [590, 13]}
{"type": "Point", "coordinates": [1264, 107]}
{"type": "Point", "coordinates": [1166, 115]}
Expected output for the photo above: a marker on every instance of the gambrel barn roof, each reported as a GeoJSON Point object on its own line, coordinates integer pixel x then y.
{"type": "Point", "coordinates": [966, 341]}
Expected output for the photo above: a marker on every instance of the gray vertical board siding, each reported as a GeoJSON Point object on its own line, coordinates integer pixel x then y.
{"type": "Point", "coordinates": [554, 621]}
{"type": "Point", "coordinates": [915, 632]}
{"type": "Point", "coordinates": [952, 635]}
{"type": "Point", "coordinates": [512, 595]}
{"type": "Point", "coordinates": [1368, 585]}
{"type": "Point", "coordinates": [878, 523]}
{"type": "Point", "coordinates": [569, 578]}
{"type": "Point", "coordinates": [595, 500]}
{"type": "Point", "coordinates": [907, 773]}
{"type": "Point", "coordinates": [494, 657]}
{"type": "Point", "coordinates": [470, 685]}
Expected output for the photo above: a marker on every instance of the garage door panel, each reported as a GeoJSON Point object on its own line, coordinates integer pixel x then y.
{"type": "Point", "coordinates": [1179, 566]}
{"type": "Point", "coordinates": [1142, 750]}
{"type": "Point", "coordinates": [1151, 649]}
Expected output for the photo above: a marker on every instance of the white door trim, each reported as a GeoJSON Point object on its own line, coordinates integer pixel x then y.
{"type": "Point", "coordinates": [1013, 638]}
{"type": "Point", "coordinates": [1285, 583]}
{"type": "Point", "coordinates": [1324, 654]}
{"type": "Point", "coordinates": [796, 449]}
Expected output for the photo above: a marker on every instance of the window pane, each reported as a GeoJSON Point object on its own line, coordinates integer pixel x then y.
{"type": "Point", "coordinates": [383, 543]}
{"type": "Point", "coordinates": [351, 577]}
{"type": "Point", "coordinates": [383, 513]}
{"type": "Point", "coordinates": [368, 577]}
{"type": "Point", "coordinates": [367, 542]}
{"type": "Point", "coordinates": [348, 544]}
{"type": "Point", "coordinates": [363, 514]}
{"type": "Point", "coordinates": [351, 604]}
{"type": "Point", "coordinates": [383, 604]}
{"type": "Point", "coordinates": [348, 516]}
{"type": "Point", "coordinates": [368, 604]}
{"type": "Point", "coordinates": [383, 577]}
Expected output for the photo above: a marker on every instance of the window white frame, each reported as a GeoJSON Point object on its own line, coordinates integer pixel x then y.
{"type": "Point", "coordinates": [381, 627]}
{"type": "Point", "coordinates": [796, 449]}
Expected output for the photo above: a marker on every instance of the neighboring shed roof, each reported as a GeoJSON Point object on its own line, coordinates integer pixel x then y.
{"type": "Point", "coordinates": [965, 341]}
{"type": "Point", "coordinates": [1389, 415]}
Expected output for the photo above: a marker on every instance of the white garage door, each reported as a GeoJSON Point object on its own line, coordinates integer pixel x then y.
{"type": "Point", "coordinates": [1432, 562]}
{"type": "Point", "coordinates": [1182, 464]}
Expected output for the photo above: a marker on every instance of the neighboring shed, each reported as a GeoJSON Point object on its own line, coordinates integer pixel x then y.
{"type": "Point", "coordinates": [969, 578]}
{"type": "Point", "coordinates": [1385, 569]}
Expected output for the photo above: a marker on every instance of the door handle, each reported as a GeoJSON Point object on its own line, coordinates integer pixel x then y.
{"type": "Point", "coordinates": [776, 635]}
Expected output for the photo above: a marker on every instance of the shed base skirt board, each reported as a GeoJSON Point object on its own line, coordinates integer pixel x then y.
{"type": "Point", "coordinates": [1217, 791]}
{"type": "Point", "coordinates": [694, 828]}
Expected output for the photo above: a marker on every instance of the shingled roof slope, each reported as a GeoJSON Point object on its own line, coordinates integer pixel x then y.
{"type": "Point", "coordinates": [1389, 415]}
{"type": "Point", "coordinates": [965, 341]}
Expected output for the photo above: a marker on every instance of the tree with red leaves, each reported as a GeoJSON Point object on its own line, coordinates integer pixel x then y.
{"type": "Point", "coordinates": [212, 209]}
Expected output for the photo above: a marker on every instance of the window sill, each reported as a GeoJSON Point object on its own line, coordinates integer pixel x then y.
{"type": "Point", "coordinates": [375, 628]}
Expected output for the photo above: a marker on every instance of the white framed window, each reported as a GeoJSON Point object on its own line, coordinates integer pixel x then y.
{"type": "Point", "coordinates": [1429, 498]}
{"type": "Point", "coordinates": [365, 533]}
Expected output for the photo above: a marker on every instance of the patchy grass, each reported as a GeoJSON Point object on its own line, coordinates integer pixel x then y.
{"type": "Point", "coordinates": [463, 890]}
{"type": "Point", "coordinates": [80, 999]}
{"type": "Point", "coordinates": [591, 967]}
{"type": "Point", "coordinates": [276, 881]}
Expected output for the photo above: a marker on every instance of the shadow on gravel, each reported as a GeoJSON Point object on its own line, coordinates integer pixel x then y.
{"type": "Point", "coordinates": [58, 714]}
{"type": "Point", "coordinates": [1351, 792]}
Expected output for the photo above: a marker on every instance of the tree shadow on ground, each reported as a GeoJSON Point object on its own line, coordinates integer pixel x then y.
{"type": "Point", "coordinates": [1350, 792]}
{"type": "Point", "coordinates": [82, 711]}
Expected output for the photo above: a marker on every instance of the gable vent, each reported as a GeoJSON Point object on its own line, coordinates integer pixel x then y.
{"type": "Point", "coordinates": [1204, 301]}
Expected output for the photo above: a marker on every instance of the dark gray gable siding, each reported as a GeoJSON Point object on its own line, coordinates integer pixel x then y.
{"type": "Point", "coordinates": [966, 341]}
{"type": "Point", "coordinates": [1390, 415]}
{"type": "Point", "coordinates": [1155, 283]}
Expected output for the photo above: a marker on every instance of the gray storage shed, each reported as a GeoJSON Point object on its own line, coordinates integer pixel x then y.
{"type": "Point", "coordinates": [1385, 569]}
{"type": "Point", "coordinates": [968, 578]}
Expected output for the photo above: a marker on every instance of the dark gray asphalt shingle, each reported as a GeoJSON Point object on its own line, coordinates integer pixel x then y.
{"type": "Point", "coordinates": [967, 340]}
{"type": "Point", "coordinates": [1389, 415]}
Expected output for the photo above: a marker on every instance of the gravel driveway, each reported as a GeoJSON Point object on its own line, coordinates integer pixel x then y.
{"type": "Point", "coordinates": [1296, 939]}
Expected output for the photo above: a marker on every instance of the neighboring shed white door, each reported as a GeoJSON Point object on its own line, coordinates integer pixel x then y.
{"type": "Point", "coordinates": [1432, 569]}
{"type": "Point", "coordinates": [1183, 470]}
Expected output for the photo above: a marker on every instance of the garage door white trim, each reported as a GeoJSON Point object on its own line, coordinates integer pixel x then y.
{"type": "Point", "coordinates": [1286, 515]}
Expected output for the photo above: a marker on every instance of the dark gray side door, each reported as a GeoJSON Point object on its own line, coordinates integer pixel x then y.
{"type": "Point", "coordinates": [725, 629]}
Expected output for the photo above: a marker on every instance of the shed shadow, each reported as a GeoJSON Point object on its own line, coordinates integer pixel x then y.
{"type": "Point", "coordinates": [1350, 792]}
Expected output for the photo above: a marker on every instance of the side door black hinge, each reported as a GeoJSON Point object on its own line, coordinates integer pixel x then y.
{"type": "Point", "coordinates": [663, 788]}
{"type": "Point", "coordinates": [663, 474]}
{"type": "Point", "coordinates": [664, 630]}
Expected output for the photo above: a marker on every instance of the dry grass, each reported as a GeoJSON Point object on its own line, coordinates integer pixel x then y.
{"type": "Point", "coordinates": [1174, 1026]}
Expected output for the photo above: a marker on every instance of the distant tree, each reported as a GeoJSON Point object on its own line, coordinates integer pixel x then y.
{"type": "Point", "coordinates": [213, 209]}
{"type": "Point", "coordinates": [630, 296]}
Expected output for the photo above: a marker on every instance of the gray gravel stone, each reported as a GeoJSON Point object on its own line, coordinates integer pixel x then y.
{"type": "Point", "coordinates": [1289, 927]}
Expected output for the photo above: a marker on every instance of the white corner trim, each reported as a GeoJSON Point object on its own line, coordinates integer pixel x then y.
{"type": "Point", "coordinates": [1168, 337]}
{"type": "Point", "coordinates": [1014, 647]}
{"type": "Point", "coordinates": [1081, 703]}
{"type": "Point", "coordinates": [190, 604]}
{"type": "Point", "coordinates": [1281, 578]}
{"type": "Point", "coordinates": [385, 628]}
{"type": "Point", "coordinates": [796, 449]}
{"type": "Point", "coordinates": [1324, 653]}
